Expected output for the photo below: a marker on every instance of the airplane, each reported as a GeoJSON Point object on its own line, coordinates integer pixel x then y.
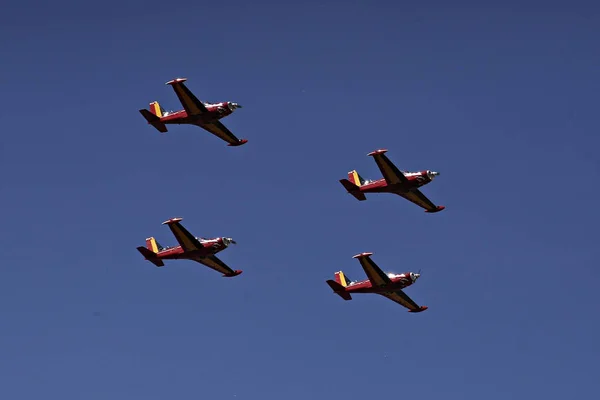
{"type": "Point", "coordinates": [387, 285]}
{"type": "Point", "coordinates": [402, 183]}
{"type": "Point", "coordinates": [190, 248]}
{"type": "Point", "coordinates": [203, 114]}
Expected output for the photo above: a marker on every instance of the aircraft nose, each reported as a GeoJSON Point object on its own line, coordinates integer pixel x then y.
{"type": "Point", "coordinates": [432, 174]}
{"type": "Point", "coordinates": [417, 276]}
{"type": "Point", "coordinates": [227, 241]}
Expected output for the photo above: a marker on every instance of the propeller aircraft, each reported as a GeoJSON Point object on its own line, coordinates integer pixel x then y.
{"type": "Point", "coordinates": [203, 114]}
{"type": "Point", "coordinates": [387, 285]}
{"type": "Point", "coordinates": [190, 248]}
{"type": "Point", "coordinates": [402, 183]}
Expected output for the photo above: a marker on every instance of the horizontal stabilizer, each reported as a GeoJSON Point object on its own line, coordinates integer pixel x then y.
{"type": "Point", "coordinates": [339, 289]}
{"type": "Point", "coordinates": [153, 120]}
{"type": "Point", "coordinates": [353, 189]}
{"type": "Point", "coordinates": [151, 256]}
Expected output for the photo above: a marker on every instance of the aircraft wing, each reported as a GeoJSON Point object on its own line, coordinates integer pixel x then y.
{"type": "Point", "coordinates": [221, 131]}
{"type": "Point", "coordinates": [215, 263]}
{"type": "Point", "coordinates": [377, 277]}
{"type": "Point", "coordinates": [186, 240]}
{"type": "Point", "coordinates": [401, 298]}
{"type": "Point", "coordinates": [420, 199]}
{"type": "Point", "coordinates": [190, 103]}
{"type": "Point", "coordinates": [391, 174]}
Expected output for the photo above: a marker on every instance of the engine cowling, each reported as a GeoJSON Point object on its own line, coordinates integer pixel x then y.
{"type": "Point", "coordinates": [232, 106]}
{"type": "Point", "coordinates": [432, 174]}
{"type": "Point", "coordinates": [227, 241]}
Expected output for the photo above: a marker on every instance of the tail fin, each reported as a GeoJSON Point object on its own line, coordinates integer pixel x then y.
{"type": "Point", "coordinates": [353, 189]}
{"type": "Point", "coordinates": [153, 245]}
{"type": "Point", "coordinates": [156, 109]}
{"type": "Point", "coordinates": [153, 116]}
{"type": "Point", "coordinates": [355, 178]}
{"type": "Point", "coordinates": [339, 285]}
{"type": "Point", "coordinates": [149, 252]}
{"type": "Point", "coordinates": [342, 279]}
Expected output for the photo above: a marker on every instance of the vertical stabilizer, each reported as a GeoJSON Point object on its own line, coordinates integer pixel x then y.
{"type": "Point", "coordinates": [156, 109]}
{"type": "Point", "coordinates": [153, 245]}
{"type": "Point", "coordinates": [342, 279]}
{"type": "Point", "coordinates": [355, 178]}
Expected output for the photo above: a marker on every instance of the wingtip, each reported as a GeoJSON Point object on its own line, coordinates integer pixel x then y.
{"type": "Point", "coordinates": [176, 80]}
{"type": "Point", "coordinates": [362, 255]}
{"type": "Point", "coordinates": [172, 221]}
{"type": "Point", "coordinates": [378, 151]}
{"type": "Point", "coordinates": [437, 209]}
{"type": "Point", "coordinates": [234, 273]}
{"type": "Point", "coordinates": [241, 142]}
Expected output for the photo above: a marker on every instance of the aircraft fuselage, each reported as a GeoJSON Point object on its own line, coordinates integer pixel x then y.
{"type": "Point", "coordinates": [415, 180]}
{"type": "Point", "coordinates": [399, 282]}
{"type": "Point", "coordinates": [210, 246]}
{"type": "Point", "coordinates": [215, 112]}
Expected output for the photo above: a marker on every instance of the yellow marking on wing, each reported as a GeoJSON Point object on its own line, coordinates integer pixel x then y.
{"type": "Point", "coordinates": [186, 101]}
{"type": "Point", "coordinates": [372, 271]}
{"type": "Point", "coordinates": [419, 201]}
{"type": "Point", "coordinates": [398, 298]}
{"type": "Point", "coordinates": [215, 263]}
{"type": "Point", "coordinates": [181, 236]}
{"type": "Point", "coordinates": [221, 131]}
{"type": "Point", "coordinates": [389, 173]}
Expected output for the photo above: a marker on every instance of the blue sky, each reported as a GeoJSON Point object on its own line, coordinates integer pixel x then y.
{"type": "Point", "coordinates": [501, 100]}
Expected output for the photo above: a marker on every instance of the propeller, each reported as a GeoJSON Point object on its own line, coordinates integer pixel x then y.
{"type": "Point", "coordinates": [432, 174]}
{"type": "Point", "coordinates": [417, 275]}
{"type": "Point", "coordinates": [233, 106]}
{"type": "Point", "coordinates": [228, 241]}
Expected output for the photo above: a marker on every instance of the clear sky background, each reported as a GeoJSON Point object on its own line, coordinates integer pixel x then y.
{"type": "Point", "coordinates": [502, 100]}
